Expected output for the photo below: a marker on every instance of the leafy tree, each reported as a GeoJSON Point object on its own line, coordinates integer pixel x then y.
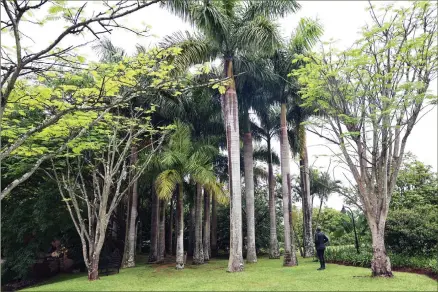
{"type": "Point", "coordinates": [181, 159]}
{"type": "Point", "coordinates": [373, 95]}
{"type": "Point", "coordinates": [227, 28]}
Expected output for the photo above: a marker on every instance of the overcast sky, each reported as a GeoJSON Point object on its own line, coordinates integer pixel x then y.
{"type": "Point", "coordinates": [341, 20]}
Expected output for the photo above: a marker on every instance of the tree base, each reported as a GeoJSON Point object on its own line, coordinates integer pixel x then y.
{"type": "Point", "coordinates": [287, 262]}
{"type": "Point", "coordinates": [179, 266]}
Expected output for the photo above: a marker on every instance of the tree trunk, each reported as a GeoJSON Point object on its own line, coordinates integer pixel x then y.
{"type": "Point", "coordinates": [126, 209]}
{"type": "Point", "coordinates": [162, 232]}
{"type": "Point", "coordinates": [198, 255]}
{"type": "Point", "coordinates": [289, 253]}
{"type": "Point", "coordinates": [206, 231]}
{"type": "Point", "coordinates": [251, 255]}
{"type": "Point", "coordinates": [213, 227]}
{"type": "Point", "coordinates": [231, 119]}
{"type": "Point", "coordinates": [130, 254]}
{"type": "Point", "coordinates": [93, 271]}
{"type": "Point", "coordinates": [274, 252]}
{"type": "Point", "coordinates": [306, 200]}
{"type": "Point", "coordinates": [192, 221]}
{"type": "Point", "coordinates": [180, 227]}
{"type": "Point", "coordinates": [153, 254]}
{"type": "Point", "coordinates": [170, 229]}
{"type": "Point", "coordinates": [319, 211]}
{"type": "Point", "coordinates": [380, 263]}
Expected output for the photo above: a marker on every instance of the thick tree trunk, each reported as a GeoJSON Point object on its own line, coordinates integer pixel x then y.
{"type": "Point", "coordinates": [231, 119]}
{"type": "Point", "coordinates": [213, 227]}
{"type": "Point", "coordinates": [153, 254]}
{"type": "Point", "coordinates": [130, 254]}
{"type": "Point", "coordinates": [274, 252]}
{"type": "Point", "coordinates": [206, 231]}
{"type": "Point", "coordinates": [289, 253]}
{"type": "Point", "coordinates": [180, 229]}
{"type": "Point", "coordinates": [306, 200]}
{"type": "Point", "coordinates": [198, 255]}
{"type": "Point", "coordinates": [162, 232]}
{"type": "Point", "coordinates": [192, 228]}
{"type": "Point", "coordinates": [380, 263]}
{"type": "Point", "coordinates": [251, 255]}
{"type": "Point", "coordinates": [126, 209]}
{"type": "Point", "coordinates": [93, 271]}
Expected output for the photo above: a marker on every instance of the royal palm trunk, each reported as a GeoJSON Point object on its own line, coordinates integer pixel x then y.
{"type": "Point", "coordinates": [153, 255]}
{"type": "Point", "coordinates": [206, 231]}
{"type": "Point", "coordinates": [231, 121]}
{"type": "Point", "coordinates": [289, 253]}
{"type": "Point", "coordinates": [130, 254]}
{"type": "Point", "coordinates": [251, 255]}
{"type": "Point", "coordinates": [213, 227]}
{"type": "Point", "coordinates": [170, 229]}
{"type": "Point", "coordinates": [274, 252]}
{"type": "Point", "coordinates": [306, 200]}
{"type": "Point", "coordinates": [198, 255]}
{"type": "Point", "coordinates": [192, 221]}
{"type": "Point", "coordinates": [162, 230]}
{"type": "Point", "coordinates": [180, 230]}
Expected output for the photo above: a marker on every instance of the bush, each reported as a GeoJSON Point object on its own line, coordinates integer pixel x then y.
{"type": "Point", "coordinates": [349, 256]}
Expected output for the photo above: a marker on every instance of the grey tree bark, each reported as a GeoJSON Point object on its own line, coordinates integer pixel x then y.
{"type": "Point", "coordinates": [153, 254]}
{"type": "Point", "coordinates": [162, 232]}
{"type": "Point", "coordinates": [206, 231]}
{"type": "Point", "coordinates": [213, 227]}
{"type": "Point", "coordinates": [198, 254]}
{"type": "Point", "coordinates": [180, 229]}
{"type": "Point", "coordinates": [289, 253]}
{"type": "Point", "coordinates": [251, 255]}
{"type": "Point", "coordinates": [231, 119]}
{"type": "Point", "coordinates": [274, 252]}
{"type": "Point", "coordinates": [169, 249]}
{"type": "Point", "coordinates": [130, 255]}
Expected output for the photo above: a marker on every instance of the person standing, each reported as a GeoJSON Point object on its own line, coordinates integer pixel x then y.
{"type": "Point", "coordinates": [320, 241]}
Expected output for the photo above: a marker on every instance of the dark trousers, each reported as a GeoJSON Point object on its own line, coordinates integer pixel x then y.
{"type": "Point", "coordinates": [320, 253]}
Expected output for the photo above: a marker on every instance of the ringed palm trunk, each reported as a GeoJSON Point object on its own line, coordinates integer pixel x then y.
{"type": "Point", "coordinates": [192, 221]}
{"type": "Point", "coordinates": [153, 255]}
{"type": "Point", "coordinates": [206, 232]}
{"type": "Point", "coordinates": [213, 227]}
{"type": "Point", "coordinates": [180, 230]}
{"type": "Point", "coordinates": [130, 254]}
{"type": "Point", "coordinates": [289, 253]}
{"type": "Point", "coordinates": [307, 205]}
{"type": "Point", "coordinates": [231, 119]}
{"type": "Point", "coordinates": [251, 255]}
{"type": "Point", "coordinates": [274, 252]}
{"type": "Point", "coordinates": [170, 228]}
{"type": "Point", "coordinates": [198, 255]}
{"type": "Point", "coordinates": [161, 236]}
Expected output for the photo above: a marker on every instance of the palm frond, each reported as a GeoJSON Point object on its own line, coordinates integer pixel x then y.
{"type": "Point", "coordinates": [108, 52]}
{"type": "Point", "coordinates": [166, 182]}
{"type": "Point", "coordinates": [271, 8]}
{"type": "Point", "coordinates": [306, 35]}
{"type": "Point", "coordinates": [218, 191]}
{"type": "Point", "coordinates": [261, 153]}
{"type": "Point", "coordinates": [260, 35]}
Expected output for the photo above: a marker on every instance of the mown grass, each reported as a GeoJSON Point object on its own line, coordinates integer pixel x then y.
{"type": "Point", "coordinates": [266, 275]}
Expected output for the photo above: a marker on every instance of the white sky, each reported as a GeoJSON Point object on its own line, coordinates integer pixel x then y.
{"type": "Point", "coordinates": [341, 20]}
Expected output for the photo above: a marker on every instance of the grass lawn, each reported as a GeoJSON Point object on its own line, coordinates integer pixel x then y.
{"type": "Point", "coordinates": [266, 275]}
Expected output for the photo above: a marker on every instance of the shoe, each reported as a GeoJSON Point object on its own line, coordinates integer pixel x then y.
{"type": "Point", "coordinates": [320, 269]}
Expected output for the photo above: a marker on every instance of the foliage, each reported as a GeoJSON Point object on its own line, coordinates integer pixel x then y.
{"type": "Point", "coordinates": [349, 256]}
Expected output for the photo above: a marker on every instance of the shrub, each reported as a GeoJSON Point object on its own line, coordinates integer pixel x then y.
{"type": "Point", "coordinates": [348, 256]}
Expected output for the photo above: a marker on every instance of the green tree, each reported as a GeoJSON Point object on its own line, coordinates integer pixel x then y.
{"type": "Point", "coordinates": [181, 159]}
{"type": "Point", "coordinates": [227, 28]}
{"type": "Point", "coordinates": [373, 95]}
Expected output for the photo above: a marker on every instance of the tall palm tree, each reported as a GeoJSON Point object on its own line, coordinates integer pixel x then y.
{"type": "Point", "coordinates": [184, 159]}
{"type": "Point", "coordinates": [225, 28]}
{"type": "Point", "coordinates": [285, 89]}
{"type": "Point", "coordinates": [269, 127]}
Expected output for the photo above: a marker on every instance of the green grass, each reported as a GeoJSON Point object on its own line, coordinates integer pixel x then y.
{"type": "Point", "coordinates": [266, 275]}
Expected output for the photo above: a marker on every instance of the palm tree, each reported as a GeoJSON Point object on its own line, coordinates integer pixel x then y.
{"type": "Point", "coordinates": [304, 37]}
{"type": "Point", "coordinates": [269, 127]}
{"type": "Point", "coordinates": [184, 159]}
{"type": "Point", "coordinates": [225, 28]}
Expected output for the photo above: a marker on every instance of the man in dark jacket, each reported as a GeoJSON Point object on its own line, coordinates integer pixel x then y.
{"type": "Point", "coordinates": [320, 242]}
